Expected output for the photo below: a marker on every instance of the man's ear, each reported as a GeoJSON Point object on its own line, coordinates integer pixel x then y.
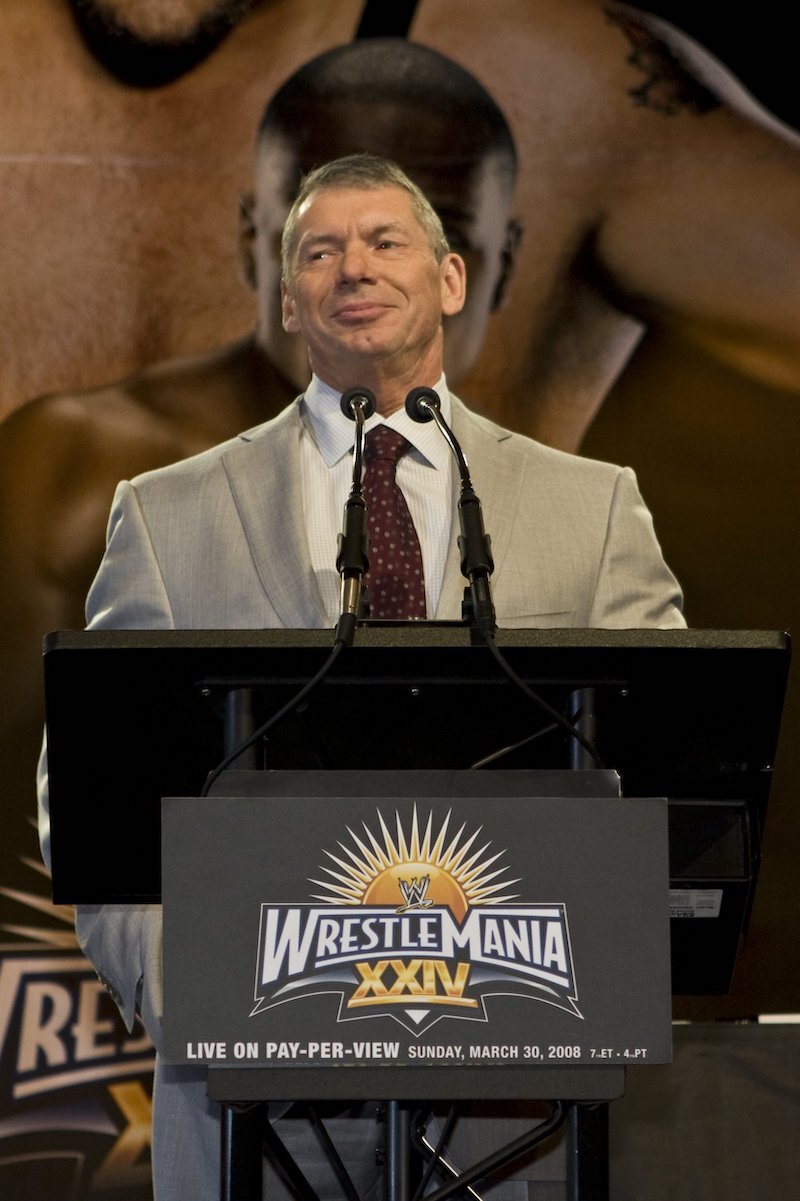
{"type": "Point", "coordinates": [247, 238]}
{"type": "Point", "coordinates": [288, 314]}
{"type": "Point", "coordinates": [508, 260]}
{"type": "Point", "coordinates": [454, 284]}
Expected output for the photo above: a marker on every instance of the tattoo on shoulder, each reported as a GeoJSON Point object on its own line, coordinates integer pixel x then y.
{"type": "Point", "coordinates": [667, 86]}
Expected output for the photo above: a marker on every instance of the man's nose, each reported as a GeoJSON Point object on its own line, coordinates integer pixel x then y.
{"type": "Point", "coordinates": [354, 264]}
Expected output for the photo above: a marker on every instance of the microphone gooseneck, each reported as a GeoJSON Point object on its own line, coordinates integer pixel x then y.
{"type": "Point", "coordinates": [423, 404]}
{"type": "Point", "coordinates": [357, 404]}
{"type": "Point", "coordinates": [474, 544]}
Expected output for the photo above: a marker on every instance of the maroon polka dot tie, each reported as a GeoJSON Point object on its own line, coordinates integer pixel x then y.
{"type": "Point", "coordinates": [395, 581]}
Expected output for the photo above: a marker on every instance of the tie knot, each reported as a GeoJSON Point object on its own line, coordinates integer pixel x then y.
{"type": "Point", "coordinates": [385, 443]}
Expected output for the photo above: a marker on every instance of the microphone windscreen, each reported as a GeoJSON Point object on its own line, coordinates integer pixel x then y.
{"type": "Point", "coordinates": [354, 397]}
{"type": "Point", "coordinates": [419, 411]}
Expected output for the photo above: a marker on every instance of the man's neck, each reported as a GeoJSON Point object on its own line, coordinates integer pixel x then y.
{"type": "Point", "coordinates": [389, 389]}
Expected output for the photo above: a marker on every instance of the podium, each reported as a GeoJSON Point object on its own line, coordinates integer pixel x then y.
{"type": "Point", "coordinates": [685, 722]}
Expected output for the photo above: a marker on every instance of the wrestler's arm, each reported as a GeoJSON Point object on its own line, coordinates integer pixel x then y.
{"type": "Point", "coordinates": [60, 461]}
{"type": "Point", "coordinates": [699, 227]}
{"type": "Point", "coordinates": [49, 554]}
{"type": "Point", "coordinates": [48, 503]}
{"type": "Point", "coordinates": [123, 941]}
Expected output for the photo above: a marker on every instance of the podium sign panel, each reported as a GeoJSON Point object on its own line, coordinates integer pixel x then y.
{"type": "Point", "coordinates": [373, 932]}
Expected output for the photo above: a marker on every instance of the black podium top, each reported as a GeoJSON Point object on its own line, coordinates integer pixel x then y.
{"type": "Point", "coordinates": [136, 715]}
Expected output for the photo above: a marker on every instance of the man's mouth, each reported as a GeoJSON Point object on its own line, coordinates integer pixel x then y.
{"type": "Point", "coordinates": [355, 311]}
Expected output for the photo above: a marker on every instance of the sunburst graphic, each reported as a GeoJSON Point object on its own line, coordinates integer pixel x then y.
{"type": "Point", "coordinates": [423, 868]}
{"type": "Point", "coordinates": [26, 935]}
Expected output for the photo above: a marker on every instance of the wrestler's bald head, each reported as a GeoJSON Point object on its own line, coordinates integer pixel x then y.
{"type": "Point", "coordinates": [400, 101]}
{"type": "Point", "coordinates": [434, 113]}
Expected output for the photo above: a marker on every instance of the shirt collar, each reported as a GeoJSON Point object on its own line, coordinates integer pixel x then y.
{"type": "Point", "coordinates": [334, 433]}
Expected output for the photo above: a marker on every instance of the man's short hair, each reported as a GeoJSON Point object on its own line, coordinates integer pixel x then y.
{"type": "Point", "coordinates": [367, 171]}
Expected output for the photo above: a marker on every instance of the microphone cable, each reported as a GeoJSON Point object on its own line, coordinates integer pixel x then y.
{"type": "Point", "coordinates": [267, 725]}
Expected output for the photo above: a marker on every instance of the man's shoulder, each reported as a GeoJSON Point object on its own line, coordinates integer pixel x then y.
{"type": "Point", "coordinates": [123, 421]}
{"type": "Point", "coordinates": [268, 438]}
{"type": "Point", "coordinates": [564, 464]}
{"type": "Point", "coordinates": [162, 411]}
{"type": "Point", "coordinates": [63, 446]}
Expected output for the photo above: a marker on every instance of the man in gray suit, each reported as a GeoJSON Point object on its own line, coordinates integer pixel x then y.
{"type": "Point", "coordinates": [244, 535]}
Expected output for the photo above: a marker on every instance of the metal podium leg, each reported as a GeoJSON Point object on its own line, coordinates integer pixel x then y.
{"type": "Point", "coordinates": [242, 1154]}
{"type": "Point", "coordinates": [581, 714]}
{"type": "Point", "coordinates": [398, 1152]}
{"type": "Point", "coordinates": [587, 1153]}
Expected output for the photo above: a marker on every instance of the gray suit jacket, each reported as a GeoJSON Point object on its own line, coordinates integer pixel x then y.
{"type": "Point", "coordinates": [217, 541]}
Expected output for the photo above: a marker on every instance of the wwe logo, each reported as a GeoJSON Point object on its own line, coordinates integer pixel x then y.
{"type": "Point", "coordinates": [414, 894]}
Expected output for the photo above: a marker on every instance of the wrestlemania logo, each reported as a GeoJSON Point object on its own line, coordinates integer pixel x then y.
{"type": "Point", "coordinates": [415, 926]}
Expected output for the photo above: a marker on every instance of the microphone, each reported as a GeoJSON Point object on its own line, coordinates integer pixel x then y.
{"type": "Point", "coordinates": [352, 562]}
{"type": "Point", "coordinates": [477, 565]}
{"type": "Point", "coordinates": [357, 400]}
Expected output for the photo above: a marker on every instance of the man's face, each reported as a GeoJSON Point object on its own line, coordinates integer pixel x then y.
{"type": "Point", "coordinates": [364, 287]}
{"type": "Point", "coordinates": [472, 198]}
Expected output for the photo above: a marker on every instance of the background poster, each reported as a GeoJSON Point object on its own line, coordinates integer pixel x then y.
{"type": "Point", "coordinates": [652, 317]}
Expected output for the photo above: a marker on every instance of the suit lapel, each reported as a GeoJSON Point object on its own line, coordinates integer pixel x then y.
{"type": "Point", "coordinates": [263, 471]}
{"type": "Point", "coordinates": [497, 471]}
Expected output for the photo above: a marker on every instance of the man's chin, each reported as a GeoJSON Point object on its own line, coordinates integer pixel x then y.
{"type": "Point", "coordinates": [151, 45]}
